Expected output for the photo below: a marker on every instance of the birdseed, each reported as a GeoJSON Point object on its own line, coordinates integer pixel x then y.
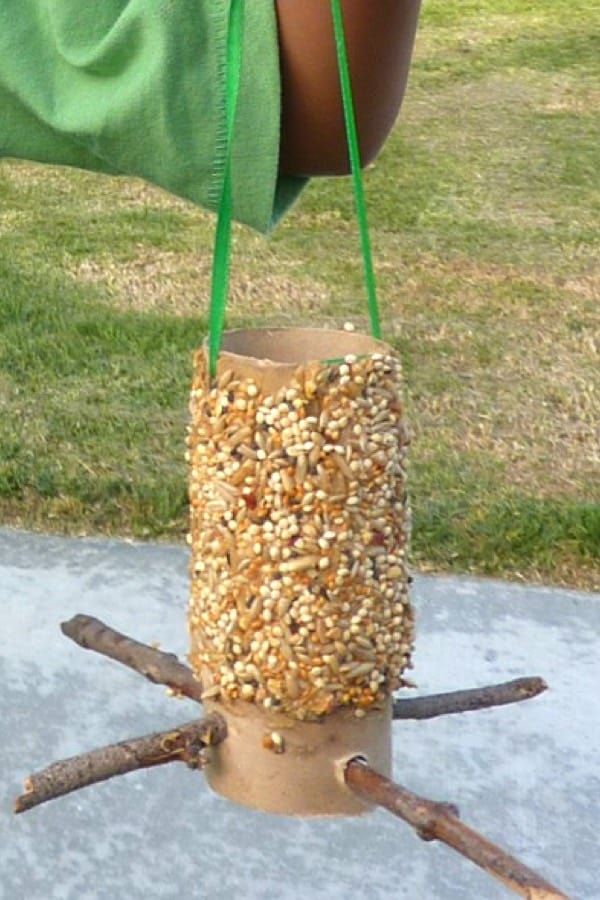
{"type": "Point", "coordinates": [299, 530]}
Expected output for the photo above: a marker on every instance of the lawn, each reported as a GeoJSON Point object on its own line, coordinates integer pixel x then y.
{"type": "Point", "coordinates": [484, 206]}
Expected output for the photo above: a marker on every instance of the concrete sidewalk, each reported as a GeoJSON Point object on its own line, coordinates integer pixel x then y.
{"type": "Point", "coordinates": [527, 776]}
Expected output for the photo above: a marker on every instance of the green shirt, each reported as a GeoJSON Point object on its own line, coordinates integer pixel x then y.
{"type": "Point", "coordinates": [137, 87]}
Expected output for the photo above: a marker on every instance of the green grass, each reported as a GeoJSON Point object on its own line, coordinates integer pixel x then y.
{"type": "Point", "coordinates": [484, 208]}
{"type": "Point", "coordinates": [92, 434]}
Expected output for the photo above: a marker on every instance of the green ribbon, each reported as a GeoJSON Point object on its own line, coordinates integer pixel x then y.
{"type": "Point", "coordinates": [357, 176]}
{"type": "Point", "coordinates": [222, 247]}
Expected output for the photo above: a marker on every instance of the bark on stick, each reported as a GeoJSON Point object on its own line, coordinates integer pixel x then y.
{"type": "Point", "coordinates": [468, 701]}
{"type": "Point", "coordinates": [164, 668]}
{"type": "Point", "coordinates": [439, 821]}
{"type": "Point", "coordinates": [155, 665]}
{"type": "Point", "coordinates": [186, 743]}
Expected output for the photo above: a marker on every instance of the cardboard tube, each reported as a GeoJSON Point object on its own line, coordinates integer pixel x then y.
{"type": "Point", "coordinates": [302, 775]}
{"type": "Point", "coordinates": [271, 355]}
{"type": "Point", "coordinates": [274, 760]}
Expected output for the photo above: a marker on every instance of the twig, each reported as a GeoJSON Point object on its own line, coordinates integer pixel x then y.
{"type": "Point", "coordinates": [468, 701]}
{"type": "Point", "coordinates": [439, 821]}
{"type": "Point", "coordinates": [432, 821]}
{"type": "Point", "coordinates": [165, 668]}
{"type": "Point", "coordinates": [155, 665]}
{"type": "Point", "coordinates": [185, 743]}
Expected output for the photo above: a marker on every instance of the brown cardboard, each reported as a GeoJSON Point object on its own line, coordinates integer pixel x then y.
{"type": "Point", "coordinates": [306, 778]}
{"type": "Point", "coordinates": [272, 355]}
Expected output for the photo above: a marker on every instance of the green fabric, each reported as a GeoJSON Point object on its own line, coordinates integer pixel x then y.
{"type": "Point", "coordinates": [137, 87]}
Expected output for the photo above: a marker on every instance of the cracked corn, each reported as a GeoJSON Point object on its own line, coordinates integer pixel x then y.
{"type": "Point", "coordinates": [299, 531]}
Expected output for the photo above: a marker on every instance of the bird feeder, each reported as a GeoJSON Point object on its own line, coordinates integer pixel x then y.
{"type": "Point", "coordinates": [299, 615]}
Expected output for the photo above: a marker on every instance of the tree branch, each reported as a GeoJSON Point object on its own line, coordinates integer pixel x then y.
{"type": "Point", "coordinates": [468, 701]}
{"type": "Point", "coordinates": [186, 743]}
{"type": "Point", "coordinates": [155, 665]}
{"type": "Point", "coordinates": [164, 668]}
{"type": "Point", "coordinates": [439, 821]}
{"type": "Point", "coordinates": [432, 821]}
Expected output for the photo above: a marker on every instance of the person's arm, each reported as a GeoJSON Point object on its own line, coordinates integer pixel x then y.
{"type": "Point", "coordinates": [380, 36]}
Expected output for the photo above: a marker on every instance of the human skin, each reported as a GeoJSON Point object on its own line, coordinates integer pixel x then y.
{"type": "Point", "coordinates": [380, 37]}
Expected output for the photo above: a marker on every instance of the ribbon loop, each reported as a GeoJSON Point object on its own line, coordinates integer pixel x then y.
{"type": "Point", "coordinates": [222, 248]}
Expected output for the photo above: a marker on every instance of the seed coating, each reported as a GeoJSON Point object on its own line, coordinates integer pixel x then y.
{"type": "Point", "coordinates": [299, 528]}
